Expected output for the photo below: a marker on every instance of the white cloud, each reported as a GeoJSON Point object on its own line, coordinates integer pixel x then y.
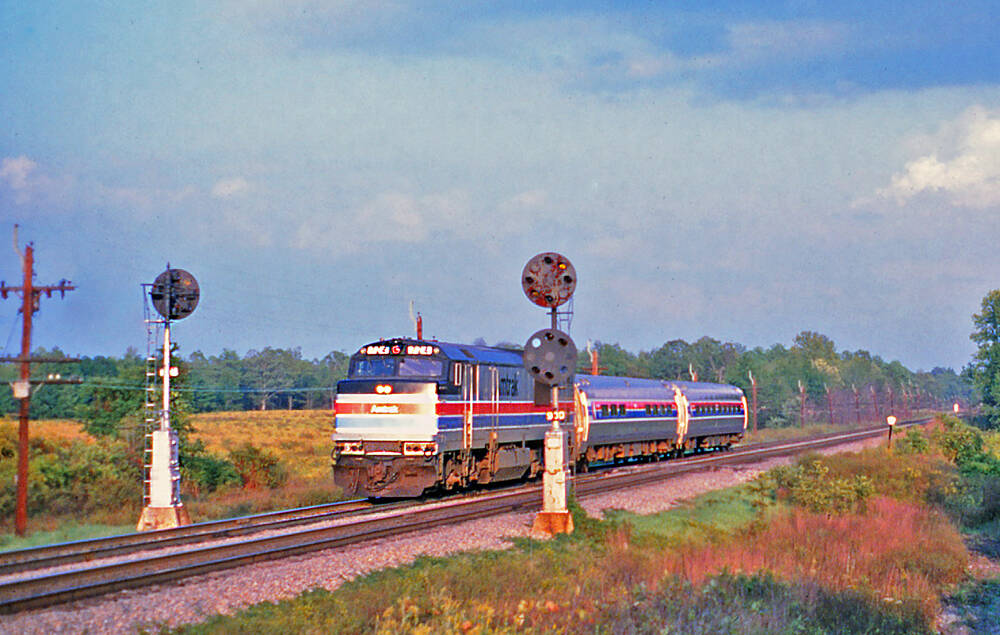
{"type": "Point", "coordinates": [228, 188]}
{"type": "Point", "coordinates": [19, 175]}
{"type": "Point", "coordinates": [962, 165]}
{"type": "Point", "coordinates": [16, 171]}
{"type": "Point", "coordinates": [30, 183]}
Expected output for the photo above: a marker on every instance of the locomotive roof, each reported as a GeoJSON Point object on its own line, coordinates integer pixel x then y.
{"type": "Point", "coordinates": [487, 354]}
{"type": "Point", "coordinates": [607, 387]}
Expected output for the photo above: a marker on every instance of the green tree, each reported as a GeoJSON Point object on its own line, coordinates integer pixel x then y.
{"type": "Point", "coordinates": [113, 403]}
{"type": "Point", "coordinates": [270, 372]}
{"type": "Point", "coordinates": [985, 366]}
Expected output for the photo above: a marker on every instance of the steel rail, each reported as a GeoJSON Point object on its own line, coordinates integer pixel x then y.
{"type": "Point", "coordinates": [111, 546]}
{"type": "Point", "coordinates": [54, 588]}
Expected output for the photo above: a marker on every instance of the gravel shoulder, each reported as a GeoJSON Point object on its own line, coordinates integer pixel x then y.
{"type": "Point", "coordinates": [226, 592]}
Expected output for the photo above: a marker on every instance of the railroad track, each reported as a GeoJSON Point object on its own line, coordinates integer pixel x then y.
{"type": "Point", "coordinates": [35, 558]}
{"type": "Point", "coordinates": [94, 579]}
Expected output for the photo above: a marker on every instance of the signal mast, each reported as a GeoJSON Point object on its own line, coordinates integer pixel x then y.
{"type": "Point", "coordinates": [549, 280]}
{"type": "Point", "coordinates": [175, 295]}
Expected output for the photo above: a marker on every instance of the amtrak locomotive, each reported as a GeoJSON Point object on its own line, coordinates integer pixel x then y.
{"type": "Point", "coordinates": [416, 415]}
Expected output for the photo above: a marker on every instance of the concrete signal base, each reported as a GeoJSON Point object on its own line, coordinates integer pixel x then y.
{"type": "Point", "coordinates": [154, 518]}
{"type": "Point", "coordinates": [554, 517]}
{"type": "Point", "coordinates": [553, 523]}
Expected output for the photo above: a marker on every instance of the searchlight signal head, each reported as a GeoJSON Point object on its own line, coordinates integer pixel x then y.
{"type": "Point", "coordinates": [549, 279]}
{"type": "Point", "coordinates": [175, 294]}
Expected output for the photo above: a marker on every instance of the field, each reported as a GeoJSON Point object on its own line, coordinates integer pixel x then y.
{"type": "Point", "coordinates": [60, 431]}
{"type": "Point", "coordinates": [300, 438]}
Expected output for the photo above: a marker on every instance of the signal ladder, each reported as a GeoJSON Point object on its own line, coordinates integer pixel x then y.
{"type": "Point", "coordinates": [151, 409]}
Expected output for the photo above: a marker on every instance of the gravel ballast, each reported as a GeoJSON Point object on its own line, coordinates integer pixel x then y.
{"type": "Point", "coordinates": [226, 592]}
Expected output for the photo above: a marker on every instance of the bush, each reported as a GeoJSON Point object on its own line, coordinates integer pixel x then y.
{"type": "Point", "coordinates": [756, 603]}
{"type": "Point", "coordinates": [258, 467]}
{"type": "Point", "coordinates": [74, 479]}
{"type": "Point", "coordinates": [915, 442]}
{"type": "Point", "coordinates": [966, 446]}
{"type": "Point", "coordinates": [811, 486]}
{"type": "Point", "coordinates": [204, 472]}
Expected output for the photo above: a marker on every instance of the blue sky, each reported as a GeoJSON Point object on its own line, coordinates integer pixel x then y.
{"type": "Point", "coordinates": [710, 168]}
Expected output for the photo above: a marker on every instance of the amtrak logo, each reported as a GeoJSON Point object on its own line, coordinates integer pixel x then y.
{"type": "Point", "coordinates": [384, 410]}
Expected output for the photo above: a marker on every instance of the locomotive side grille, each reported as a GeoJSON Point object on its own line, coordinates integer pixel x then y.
{"type": "Point", "coordinates": [383, 447]}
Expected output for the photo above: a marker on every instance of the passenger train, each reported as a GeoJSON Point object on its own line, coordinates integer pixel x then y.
{"type": "Point", "coordinates": [415, 416]}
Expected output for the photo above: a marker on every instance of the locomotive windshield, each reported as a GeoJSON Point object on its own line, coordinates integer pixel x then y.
{"type": "Point", "coordinates": [406, 366]}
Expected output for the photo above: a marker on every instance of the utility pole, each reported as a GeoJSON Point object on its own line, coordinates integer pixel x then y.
{"type": "Point", "coordinates": [30, 295]}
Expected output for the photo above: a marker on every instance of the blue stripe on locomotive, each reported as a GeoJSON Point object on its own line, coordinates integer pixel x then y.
{"type": "Point", "coordinates": [486, 421]}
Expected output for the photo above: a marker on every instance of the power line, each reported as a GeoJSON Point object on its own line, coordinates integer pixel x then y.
{"type": "Point", "coordinates": [100, 384]}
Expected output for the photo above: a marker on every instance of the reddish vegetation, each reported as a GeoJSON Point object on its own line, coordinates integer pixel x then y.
{"type": "Point", "coordinates": [896, 550]}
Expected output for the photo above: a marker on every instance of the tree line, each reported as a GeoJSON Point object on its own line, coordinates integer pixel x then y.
{"type": "Point", "coordinates": [274, 378]}
{"type": "Point", "coordinates": [111, 386]}
{"type": "Point", "coordinates": [812, 362]}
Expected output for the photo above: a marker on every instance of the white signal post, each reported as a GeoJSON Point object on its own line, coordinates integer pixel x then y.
{"type": "Point", "coordinates": [891, 421]}
{"type": "Point", "coordinates": [555, 517]}
{"type": "Point", "coordinates": [165, 508]}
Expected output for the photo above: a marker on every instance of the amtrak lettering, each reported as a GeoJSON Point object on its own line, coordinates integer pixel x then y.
{"type": "Point", "coordinates": [384, 410]}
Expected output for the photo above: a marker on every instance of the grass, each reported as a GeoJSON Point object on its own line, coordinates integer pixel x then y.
{"type": "Point", "coordinates": [709, 515]}
{"type": "Point", "coordinates": [57, 431]}
{"type": "Point", "coordinates": [236, 501]}
{"type": "Point", "coordinates": [63, 533]}
{"type": "Point", "coordinates": [300, 438]}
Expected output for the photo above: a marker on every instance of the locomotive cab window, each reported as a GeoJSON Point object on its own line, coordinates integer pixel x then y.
{"type": "Point", "coordinates": [420, 367]}
{"type": "Point", "coordinates": [374, 367]}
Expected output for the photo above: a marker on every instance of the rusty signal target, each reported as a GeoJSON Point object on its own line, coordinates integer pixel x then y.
{"type": "Point", "coordinates": [175, 294]}
{"type": "Point", "coordinates": [549, 279]}
{"type": "Point", "coordinates": [550, 356]}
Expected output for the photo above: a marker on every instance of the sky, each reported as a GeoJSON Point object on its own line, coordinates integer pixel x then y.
{"type": "Point", "coordinates": [743, 171]}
